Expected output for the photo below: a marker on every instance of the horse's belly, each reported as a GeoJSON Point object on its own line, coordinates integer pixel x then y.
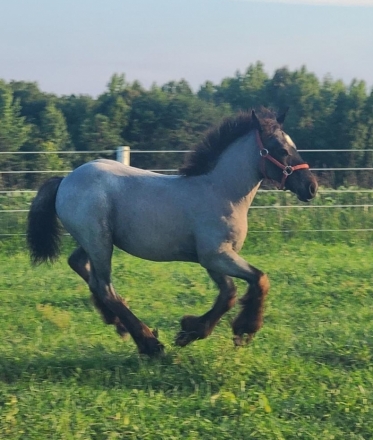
{"type": "Point", "coordinates": [157, 247]}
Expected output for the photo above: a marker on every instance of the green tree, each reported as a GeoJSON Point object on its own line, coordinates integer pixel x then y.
{"type": "Point", "coordinates": [277, 88]}
{"type": "Point", "coordinates": [367, 161]}
{"type": "Point", "coordinates": [300, 91]}
{"type": "Point", "coordinates": [53, 127]}
{"type": "Point", "coordinates": [178, 88]}
{"type": "Point", "coordinates": [31, 99]}
{"type": "Point", "coordinates": [117, 84]}
{"type": "Point", "coordinates": [115, 104]}
{"type": "Point", "coordinates": [327, 122]}
{"type": "Point", "coordinates": [48, 138]}
{"type": "Point", "coordinates": [244, 91]}
{"type": "Point", "coordinates": [98, 134]}
{"type": "Point", "coordinates": [76, 109]}
{"type": "Point", "coordinates": [346, 130]}
{"type": "Point", "coordinates": [14, 133]}
{"type": "Point", "coordinates": [323, 115]}
{"type": "Point", "coordinates": [207, 92]}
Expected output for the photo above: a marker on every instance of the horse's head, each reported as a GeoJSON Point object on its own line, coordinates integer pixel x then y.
{"type": "Point", "coordinates": [281, 161]}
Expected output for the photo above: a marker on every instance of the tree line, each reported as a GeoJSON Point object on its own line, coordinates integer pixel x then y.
{"type": "Point", "coordinates": [324, 114]}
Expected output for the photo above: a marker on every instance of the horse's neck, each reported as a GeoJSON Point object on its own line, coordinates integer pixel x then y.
{"type": "Point", "coordinates": [237, 175]}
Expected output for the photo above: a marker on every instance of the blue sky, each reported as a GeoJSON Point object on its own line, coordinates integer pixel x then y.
{"type": "Point", "coordinates": [74, 46]}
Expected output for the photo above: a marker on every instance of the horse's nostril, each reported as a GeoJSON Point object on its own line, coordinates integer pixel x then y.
{"type": "Point", "coordinates": [313, 189]}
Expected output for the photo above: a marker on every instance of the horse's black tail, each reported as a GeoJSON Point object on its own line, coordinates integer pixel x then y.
{"type": "Point", "coordinates": [43, 229]}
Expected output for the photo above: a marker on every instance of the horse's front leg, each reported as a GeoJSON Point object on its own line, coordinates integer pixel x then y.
{"type": "Point", "coordinates": [199, 327]}
{"type": "Point", "coordinates": [250, 319]}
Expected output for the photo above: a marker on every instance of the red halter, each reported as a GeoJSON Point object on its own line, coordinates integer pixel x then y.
{"type": "Point", "coordinates": [286, 169]}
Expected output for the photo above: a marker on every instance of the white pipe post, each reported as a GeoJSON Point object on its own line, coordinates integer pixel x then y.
{"type": "Point", "coordinates": [124, 155]}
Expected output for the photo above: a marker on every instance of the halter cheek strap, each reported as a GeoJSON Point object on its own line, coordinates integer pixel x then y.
{"type": "Point", "coordinates": [287, 170]}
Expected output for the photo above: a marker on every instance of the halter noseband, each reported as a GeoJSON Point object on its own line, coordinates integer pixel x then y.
{"type": "Point", "coordinates": [287, 170]}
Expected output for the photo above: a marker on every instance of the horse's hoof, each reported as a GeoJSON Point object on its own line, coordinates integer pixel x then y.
{"type": "Point", "coordinates": [151, 347]}
{"type": "Point", "coordinates": [244, 330]}
{"type": "Point", "coordinates": [241, 340]}
{"type": "Point", "coordinates": [192, 328]}
{"type": "Point", "coordinates": [184, 338]}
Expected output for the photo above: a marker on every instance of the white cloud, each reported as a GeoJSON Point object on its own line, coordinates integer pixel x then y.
{"type": "Point", "coordinates": [318, 2]}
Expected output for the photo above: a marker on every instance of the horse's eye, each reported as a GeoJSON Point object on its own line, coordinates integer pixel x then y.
{"type": "Point", "coordinates": [284, 152]}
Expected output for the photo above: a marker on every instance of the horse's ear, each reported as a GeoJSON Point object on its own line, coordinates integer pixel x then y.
{"type": "Point", "coordinates": [256, 122]}
{"type": "Point", "coordinates": [281, 119]}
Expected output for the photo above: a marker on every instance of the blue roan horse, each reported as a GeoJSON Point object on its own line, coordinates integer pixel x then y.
{"type": "Point", "coordinates": [199, 216]}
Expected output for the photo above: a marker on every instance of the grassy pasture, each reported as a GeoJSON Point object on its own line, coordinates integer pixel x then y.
{"type": "Point", "coordinates": [308, 373]}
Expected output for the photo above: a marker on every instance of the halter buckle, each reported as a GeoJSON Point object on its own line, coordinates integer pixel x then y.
{"type": "Point", "coordinates": [288, 170]}
{"type": "Point", "coordinates": [263, 152]}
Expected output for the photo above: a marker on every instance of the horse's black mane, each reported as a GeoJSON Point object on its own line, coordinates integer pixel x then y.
{"type": "Point", "coordinates": [204, 156]}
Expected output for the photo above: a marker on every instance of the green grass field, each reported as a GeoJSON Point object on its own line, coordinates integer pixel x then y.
{"type": "Point", "coordinates": [308, 374]}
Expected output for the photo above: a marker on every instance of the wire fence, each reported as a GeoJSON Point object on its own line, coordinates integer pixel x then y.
{"type": "Point", "coordinates": [333, 212]}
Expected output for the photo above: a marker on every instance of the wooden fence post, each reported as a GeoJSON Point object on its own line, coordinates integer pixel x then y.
{"type": "Point", "coordinates": [124, 155]}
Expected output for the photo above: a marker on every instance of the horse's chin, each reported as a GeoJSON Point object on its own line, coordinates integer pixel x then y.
{"type": "Point", "coordinates": [301, 197]}
{"type": "Point", "coordinates": [304, 199]}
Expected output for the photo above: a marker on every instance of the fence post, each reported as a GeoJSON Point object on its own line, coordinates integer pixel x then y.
{"type": "Point", "coordinates": [124, 155]}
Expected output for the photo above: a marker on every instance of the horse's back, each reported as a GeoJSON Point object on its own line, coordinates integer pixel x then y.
{"type": "Point", "coordinates": [105, 177]}
{"type": "Point", "coordinates": [105, 168]}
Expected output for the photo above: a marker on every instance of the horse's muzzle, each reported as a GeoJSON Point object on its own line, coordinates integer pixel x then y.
{"type": "Point", "coordinates": [307, 193]}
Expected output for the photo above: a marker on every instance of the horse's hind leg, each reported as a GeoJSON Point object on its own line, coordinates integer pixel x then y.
{"type": "Point", "coordinates": [199, 327]}
{"type": "Point", "coordinates": [102, 289]}
{"type": "Point", "coordinates": [79, 262]}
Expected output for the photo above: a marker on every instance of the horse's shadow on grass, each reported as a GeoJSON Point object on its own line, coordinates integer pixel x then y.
{"type": "Point", "coordinates": [100, 368]}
